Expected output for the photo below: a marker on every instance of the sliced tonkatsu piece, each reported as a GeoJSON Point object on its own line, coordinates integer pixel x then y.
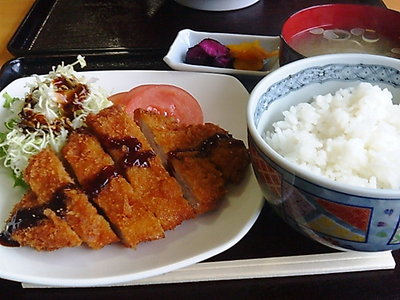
{"type": "Point", "coordinates": [166, 135]}
{"type": "Point", "coordinates": [55, 188]}
{"type": "Point", "coordinates": [203, 157]}
{"type": "Point", "coordinates": [37, 226]}
{"type": "Point", "coordinates": [127, 145]}
{"type": "Point", "coordinates": [202, 183]}
{"type": "Point", "coordinates": [96, 172]}
{"type": "Point", "coordinates": [230, 155]}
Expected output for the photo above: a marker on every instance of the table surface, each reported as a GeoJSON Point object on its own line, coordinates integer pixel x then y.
{"type": "Point", "coordinates": [361, 285]}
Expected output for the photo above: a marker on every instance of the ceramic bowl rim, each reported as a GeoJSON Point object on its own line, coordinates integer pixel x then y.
{"type": "Point", "coordinates": [324, 6]}
{"type": "Point", "coordinates": [219, 5]}
{"type": "Point", "coordinates": [290, 167]}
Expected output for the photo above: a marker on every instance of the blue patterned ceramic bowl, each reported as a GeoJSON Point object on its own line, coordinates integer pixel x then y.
{"type": "Point", "coordinates": [338, 215]}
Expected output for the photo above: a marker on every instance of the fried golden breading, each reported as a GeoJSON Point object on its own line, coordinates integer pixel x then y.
{"type": "Point", "coordinates": [144, 170]}
{"type": "Point", "coordinates": [232, 158]}
{"type": "Point", "coordinates": [45, 175]}
{"type": "Point", "coordinates": [51, 183]}
{"type": "Point", "coordinates": [96, 172]}
{"type": "Point", "coordinates": [171, 135]}
{"type": "Point", "coordinates": [165, 134]}
{"type": "Point", "coordinates": [203, 157]}
{"type": "Point", "coordinates": [40, 227]}
{"type": "Point", "coordinates": [84, 219]}
{"type": "Point", "coordinates": [203, 183]}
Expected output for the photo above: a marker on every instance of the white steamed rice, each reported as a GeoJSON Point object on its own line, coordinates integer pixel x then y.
{"type": "Point", "coordinates": [351, 136]}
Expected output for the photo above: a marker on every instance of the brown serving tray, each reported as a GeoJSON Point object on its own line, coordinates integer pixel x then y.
{"type": "Point", "coordinates": [150, 26]}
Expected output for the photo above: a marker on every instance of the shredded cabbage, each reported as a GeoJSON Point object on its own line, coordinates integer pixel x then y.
{"type": "Point", "coordinates": [18, 144]}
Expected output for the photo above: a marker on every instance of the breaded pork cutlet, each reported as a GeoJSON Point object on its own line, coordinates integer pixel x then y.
{"type": "Point", "coordinates": [96, 172]}
{"type": "Point", "coordinates": [54, 187]}
{"type": "Point", "coordinates": [144, 170]}
{"type": "Point", "coordinates": [203, 157]}
{"type": "Point", "coordinates": [37, 226]}
{"type": "Point", "coordinates": [230, 155]}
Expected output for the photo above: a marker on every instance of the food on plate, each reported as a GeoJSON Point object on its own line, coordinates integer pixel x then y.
{"type": "Point", "coordinates": [249, 55]}
{"type": "Point", "coordinates": [166, 99]}
{"type": "Point", "coordinates": [55, 104]}
{"type": "Point", "coordinates": [152, 185]}
{"type": "Point", "coordinates": [138, 212]}
{"type": "Point", "coordinates": [37, 226]}
{"type": "Point", "coordinates": [243, 56]}
{"type": "Point", "coordinates": [203, 158]}
{"type": "Point", "coordinates": [350, 136]}
{"type": "Point", "coordinates": [55, 189]}
{"type": "Point", "coordinates": [98, 175]}
{"type": "Point", "coordinates": [107, 181]}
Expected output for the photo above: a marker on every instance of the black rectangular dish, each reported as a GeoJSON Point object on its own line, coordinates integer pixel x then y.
{"type": "Point", "coordinates": [87, 26]}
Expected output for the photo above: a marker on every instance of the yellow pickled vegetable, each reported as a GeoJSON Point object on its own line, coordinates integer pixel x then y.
{"type": "Point", "coordinates": [249, 55]}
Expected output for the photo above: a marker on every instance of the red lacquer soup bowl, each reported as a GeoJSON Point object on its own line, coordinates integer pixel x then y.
{"type": "Point", "coordinates": [340, 28]}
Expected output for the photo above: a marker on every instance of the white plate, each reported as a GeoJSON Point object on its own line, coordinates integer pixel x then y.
{"type": "Point", "coordinates": [223, 99]}
{"type": "Point", "coordinates": [187, 38]}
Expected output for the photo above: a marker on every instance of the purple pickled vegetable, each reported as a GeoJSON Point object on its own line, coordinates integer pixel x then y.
{"type": "Point", "coordinates": [214, 48]}
{"type": "Point", "coordinates": [209, 52]}
{"type": "Point", "coordinates": [196, 56]}
{"type": "Point", "coordinates": [222, 61]}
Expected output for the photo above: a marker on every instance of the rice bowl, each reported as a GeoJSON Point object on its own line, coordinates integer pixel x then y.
{"type": "Point", "coordinates": [338, 214]}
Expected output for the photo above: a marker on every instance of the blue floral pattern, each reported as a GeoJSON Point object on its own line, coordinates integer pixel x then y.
{"type": "Point", "coordinates": [362, 72]}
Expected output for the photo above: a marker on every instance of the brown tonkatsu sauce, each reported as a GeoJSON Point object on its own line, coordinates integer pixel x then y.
{"type": "Point", "coordinates": [206, 146]}
{"type": "Point", "coordinates": [94, 186]}
{"type": "Point", "coordinates": [133, 155]}
{"type": "Point", "coordinates": [131, 143]}
{"type": "Point", "coordinates": [73, 92]}
{"type": "Point", "coordinates": [32, 216]}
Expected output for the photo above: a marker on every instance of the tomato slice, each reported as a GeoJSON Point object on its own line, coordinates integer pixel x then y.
{"type": "Point", "coordinates": [165, 99]}
{"type": "Point", "coordinates": [119, 98]}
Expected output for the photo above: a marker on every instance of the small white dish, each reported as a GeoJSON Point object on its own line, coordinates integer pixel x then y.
{"type": "Point", "coordinates": [217, 5]}
{"type": "Point", "coordinates": [187, 38]}
{"type": "Point", "coordinates": [191, 242]}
